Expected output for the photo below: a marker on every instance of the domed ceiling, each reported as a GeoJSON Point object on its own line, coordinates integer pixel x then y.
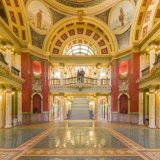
{"type": "Point", "coordinates": [80, 3]}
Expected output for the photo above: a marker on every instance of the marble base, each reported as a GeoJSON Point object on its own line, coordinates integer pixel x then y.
{"type": "Point", "coordinates": [125, 118]}
{"type": "Point", "coordinates": [8, 126]}
{"type": "Point", "coordinates": [34, 118]}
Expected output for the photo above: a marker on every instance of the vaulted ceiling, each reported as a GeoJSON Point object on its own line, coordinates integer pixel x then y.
{"type": "Point", "coordinates": [109, 25]}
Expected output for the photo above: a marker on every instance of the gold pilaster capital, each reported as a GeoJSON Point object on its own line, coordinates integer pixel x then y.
{"type": "Point", "coordinates": [19, 89]}
{"type": "Point", "coordinates": [98, 66]}
{"type": "Point", "coordinates": [8, 87]}
{"type": "Point", "coordinates": [61, 95]}
{"type": "Point", "coordinates": [61, 65]}
{"type": "Point", "coordinates": [152, 89]}
{"type": "Point", "coordinates": [98, 95]}
{"type": "Point", "coordinates": [141, 90]}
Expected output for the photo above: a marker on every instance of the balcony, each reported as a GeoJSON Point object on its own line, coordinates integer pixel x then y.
{"type": "Point", "coordinates": [79, 80]}
{"type": "Point", "coordinates": [81, 83]}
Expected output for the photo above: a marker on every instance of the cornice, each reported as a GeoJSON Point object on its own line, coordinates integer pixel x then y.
{"type": "Point", "coordinates": [150, 36]}
{"type": "Point", "coordinates": [8, 34]}
{"type": "Point", "coordinates": [150, 76]}
{"type": "Point", "coordinates": [5, 72]}
{"type": "Point", "coordinates": [93, 10]}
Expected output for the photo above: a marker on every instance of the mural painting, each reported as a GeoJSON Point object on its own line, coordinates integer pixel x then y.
{"type": "Point", "coordinates": [39, 17]}
{"type": "Point", "coordinates": [121, 16]}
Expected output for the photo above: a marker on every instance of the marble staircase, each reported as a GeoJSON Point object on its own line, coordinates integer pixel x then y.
{"type": "Point", "coordinates": [80, 109]}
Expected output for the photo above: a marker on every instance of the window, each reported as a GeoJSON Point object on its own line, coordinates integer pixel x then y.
{"type": "Point", "coordinates": [79, 50]}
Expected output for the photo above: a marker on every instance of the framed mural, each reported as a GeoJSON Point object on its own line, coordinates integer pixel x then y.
{"type": "Point", "coordinates": [121, 16]}
{"type": "Point", "coordinates": [39, 16]}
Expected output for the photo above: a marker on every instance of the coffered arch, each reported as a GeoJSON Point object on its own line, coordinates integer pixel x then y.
{"type": "Point", "coordinates": [144, 19]}
{"type": "Point", "coordinates": [90, 29]}
{"type": "Point", "coordinates": [17, 19]}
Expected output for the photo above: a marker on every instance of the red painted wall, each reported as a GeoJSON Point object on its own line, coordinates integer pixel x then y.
{"type": "Point", "coordinates": [26, 92]}
{"type": "Point", "coordinates": [27, 71]}
{"type": "Point", "coordinates": [134, 93]}
{"type": "Point", "coordinates": [134, 64]}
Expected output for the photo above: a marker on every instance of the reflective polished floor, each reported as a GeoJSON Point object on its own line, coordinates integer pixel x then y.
{"type": "Point", "coordinates": [80, 140]}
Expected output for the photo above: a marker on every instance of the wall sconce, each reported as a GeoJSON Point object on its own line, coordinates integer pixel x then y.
{"type": "Point", "coordinates": [37, 76]}
{"type": "Point", "coordinates": [123, 76]}
{"type": "Point", "coordinates": [147, 93]}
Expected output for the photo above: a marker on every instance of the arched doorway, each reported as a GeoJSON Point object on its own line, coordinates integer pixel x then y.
{"type": "Point", "coordinates": [123, 103]}
{"type": "Point", "coordinates": [36, 103]}
{"type": "Point", "coordinates": [37, 100]}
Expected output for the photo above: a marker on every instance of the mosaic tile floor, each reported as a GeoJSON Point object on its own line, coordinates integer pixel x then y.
{"type": "Point", "coordinates": [79, 140]}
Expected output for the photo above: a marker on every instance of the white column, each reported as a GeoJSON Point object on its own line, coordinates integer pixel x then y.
{"type": "Point", "coordinates": [17, 62]}
{"type": "Point", "coordinates": [140, 107]}
{"type": "Point", "coordinates": [152, 107]}
{"type": "Point", "coordinates": [8, 122]}
{"type": "Point", "coordinates": [146, 114]}
{"type": "Point", "coordinates": [109, 108]}
{"type": "Point", "coordinates": [158, 108]}
{"type": "Point", "coordinates": [19, 105]}
{"type": "Point", "coordinates": [98, 107]}
{"type": "Point", "coordinates": [152, 58]}
{"type": "Point", "coordinates": [61, 107]}
{"type": "Point", "coordinates": [98, 74]}
{"type": "Point", "coordinates": [65, 108]}
{"type": "Point", "coordinates": [51, 108]}
{"type": "Point", "coordinates": [61, 73]}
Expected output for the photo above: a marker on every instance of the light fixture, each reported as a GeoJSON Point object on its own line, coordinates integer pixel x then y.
{"type": "Point", "coordinates": [147, 92]}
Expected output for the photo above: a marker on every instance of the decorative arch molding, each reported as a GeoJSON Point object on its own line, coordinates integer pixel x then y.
{"type": "Point", "coordinates": [32, 101]}
{"type": "Point", "coordinates": [90, 23]}
{"type": "Point", "coordinates": [118, 99]}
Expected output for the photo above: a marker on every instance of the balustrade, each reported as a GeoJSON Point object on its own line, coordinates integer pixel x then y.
{"type": "Point", "coordinates": [15, 71]}
{"type": "Point", "coordinates": [105, 81]}
{"type": "Point", "coordinates": [145, 71]}
{"type": "Point", "coordinates": [55, 81]}
{"type": "Point", "coordinates": [80, 80]}
{"type": "Point", "coordinates": [2, 58]}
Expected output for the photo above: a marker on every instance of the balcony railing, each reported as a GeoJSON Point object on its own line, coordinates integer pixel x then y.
{"type": "Point", "coordinates": [105, 81]}
{"type": "Point", "coordinates": [157, 59]}
{"type": "Point", "coordinates": [55, 81]}
{"type": "Point", "coordinates": [2, 58]}
{"type": "Point", "coordinates": [145, 71]}
{"type": "Point", "coordinates": [15, 71]}
{"type": "Point", "coordinates": [80, 80]}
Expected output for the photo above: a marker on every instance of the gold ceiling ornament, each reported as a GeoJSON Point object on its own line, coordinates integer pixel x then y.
{"type": "Point", "coordinates": [80, 15]}
{"type": "Point", "coordinates": [37, 76]}
{"type": "Point", "coordinates": [95, 73]}
{"type": "Point", "coordinates": [123, 76]}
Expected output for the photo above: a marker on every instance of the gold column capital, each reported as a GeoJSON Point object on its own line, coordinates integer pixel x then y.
{"type": "Point", "coordinates": [61, 95]}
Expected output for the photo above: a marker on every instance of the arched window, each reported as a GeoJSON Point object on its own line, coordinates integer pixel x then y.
{"type": "Point", "coordinates": [79, 50]}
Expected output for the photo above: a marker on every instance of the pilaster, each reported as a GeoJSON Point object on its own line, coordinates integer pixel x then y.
{"type": "Point", "coordinates": [8, 122]}
{"type": "Point", "coordinates": [152, 106]}
{"type": "Point", "coordinates": [140, 107]}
